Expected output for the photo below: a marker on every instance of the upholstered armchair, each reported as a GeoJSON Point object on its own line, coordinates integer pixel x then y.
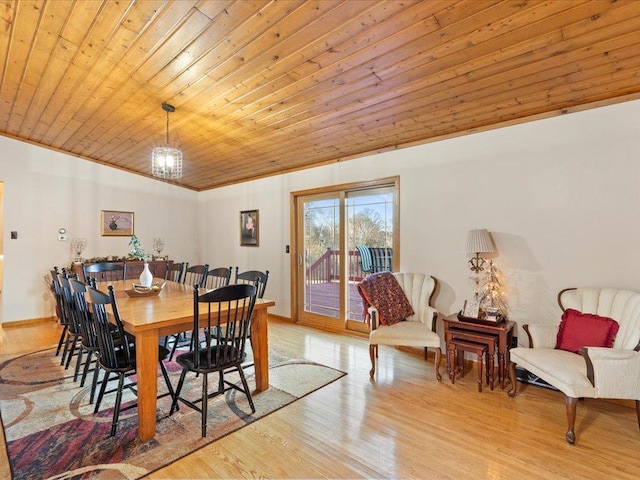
{"type": "Point", "coordinates": [593, 372]}
{"type": "Point", "coordinates": [417, 330]}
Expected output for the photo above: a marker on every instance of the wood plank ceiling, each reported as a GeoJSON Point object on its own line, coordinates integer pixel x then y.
{"type": "Point", "coordinates": [264, 87]}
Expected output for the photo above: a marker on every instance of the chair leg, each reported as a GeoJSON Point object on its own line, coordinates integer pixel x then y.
{"type": "Point", "coordinates": [173, 348]}
{"type": "Point", "coordinates": [63, 335]}
{"type": "Point", "coordinates": [175, 344]}
{"type": "Point", "coordinates": [571, 403]}
{"type": "Point", "coordinates": [65, 349]}
{"type": "Point", "coordinates": [87, 365]}
{"type": "Point", "coordinates": [205, 403]}
{"type": "Point", "coordinates": [76, 372]}
{"type": "Point", "coordinates": [437, 363]}
{"type": "Point", "coordinates": [247, 392]}
{"type": "Point", "coordinates": [174, 404]}
{"type": "Point", "coordinates": [116, 408]}
{"type": "Point", "coordinates": [638, 411]}
{"type": "Point", "coordinates": [165, 374]}
{"type": "Point", "coordinates": [74, 344]}
{"type": "Point", "coordinates": [94, 382]}
{"type": "Point", "coordinates": [221, 382]}
{"type": "Point", "coordinates": [103, 387]}
{"type": "Point", "coordinates": [373, 354]}
{"type": "Point", "coordinates": [512, 379]}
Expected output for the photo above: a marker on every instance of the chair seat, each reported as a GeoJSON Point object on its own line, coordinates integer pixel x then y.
{"type": "Point", "coordinates": [207, 359]}
{"type": "Point", "coordinates": [567, 371]}
{"type": "Point", "coordinates": [123, 366]}
{"type": "Point", "coordinates": [405, 333]}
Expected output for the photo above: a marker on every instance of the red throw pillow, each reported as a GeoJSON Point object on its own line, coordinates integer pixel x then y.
{"type": "Point", "coordinates": [579, 330]}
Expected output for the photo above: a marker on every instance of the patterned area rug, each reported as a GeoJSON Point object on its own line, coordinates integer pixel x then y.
{"type": "Point", "coordinates": [52, 432]}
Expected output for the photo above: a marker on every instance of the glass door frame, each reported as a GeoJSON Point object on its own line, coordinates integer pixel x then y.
{"type": "Point", "coordinates": [297, 249]}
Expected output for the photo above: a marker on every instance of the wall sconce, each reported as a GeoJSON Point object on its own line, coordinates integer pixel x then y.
{"type": "Point", "coordinates": [479, 241]}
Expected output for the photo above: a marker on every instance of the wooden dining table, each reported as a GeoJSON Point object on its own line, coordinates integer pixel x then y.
{"type": "Point", "coordinates": [149, 318]}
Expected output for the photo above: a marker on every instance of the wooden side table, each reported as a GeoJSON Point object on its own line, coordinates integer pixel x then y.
{"type": "Point", "coordinates": [502, 330]}
{"type": "Point", "coordinates": [457, 347]}
{"type": "Point", "coordinates": [488, 341]}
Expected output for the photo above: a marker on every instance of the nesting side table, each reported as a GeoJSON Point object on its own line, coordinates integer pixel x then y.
{"type": "Point", "coordinates": [503, 331]}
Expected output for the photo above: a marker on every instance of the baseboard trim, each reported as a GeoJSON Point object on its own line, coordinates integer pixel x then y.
{"type": "Point", "coordinates": [29, 321]}
{"type": "Point", "coordinates": [280, 318]}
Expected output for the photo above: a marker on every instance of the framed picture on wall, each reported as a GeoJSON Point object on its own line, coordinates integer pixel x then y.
{"type": "Point", "coordinates": [249, 228]}
{"type": "Point", "coordinates": [116, 224]}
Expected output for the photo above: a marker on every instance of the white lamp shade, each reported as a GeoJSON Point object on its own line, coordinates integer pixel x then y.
{"type": "Point", "coordinates": [479, 241]}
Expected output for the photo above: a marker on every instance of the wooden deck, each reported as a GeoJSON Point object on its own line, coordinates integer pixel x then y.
{"type": "Point", "coordinates": [324, 299]}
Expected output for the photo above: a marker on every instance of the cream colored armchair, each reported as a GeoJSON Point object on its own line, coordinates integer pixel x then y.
{"type": "Point", "coordinates": [418, 330]}
{"type": "Point", "coordinates": [597, 372]}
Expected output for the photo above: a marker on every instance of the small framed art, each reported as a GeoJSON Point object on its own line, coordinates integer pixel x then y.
{"type": "Point", "coordinates": [471, 308]}
{"type": "Point", "coordinates": [116, 224]}
{"type": "Point", "coordinates": [249, 228]}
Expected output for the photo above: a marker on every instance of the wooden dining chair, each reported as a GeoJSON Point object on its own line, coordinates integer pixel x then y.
{"type": "Point", "coordinates": [218, 277]}
{"type": "Point", "coordinates": [195, 275]}
{"type": "Point", "coordinates": [89, 337]}
{"type": "Point", "coordinates": [117, 355]}
{"type": "Point", "coordinates": [226, 309]}
{"type": "Point", "coordinates": [73, 335]}
{"type": "Point", "coordinates": [62, 320]}
{"type": "Point", "coordinates": [215, 278]}
{"type": "Point", "coordinates": [174, 271]}
{"type": "Point", "coordinates": [253, 277]}
{"type": "Point", "coordinates": [257, 278]}
{"type": "Point", "coordinates": [105, 271]}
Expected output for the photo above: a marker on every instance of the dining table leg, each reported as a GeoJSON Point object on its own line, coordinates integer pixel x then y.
{"type": "Point", "coordinates": [260, 347]}
{"type": "Point", "coordinates": [147, 373]}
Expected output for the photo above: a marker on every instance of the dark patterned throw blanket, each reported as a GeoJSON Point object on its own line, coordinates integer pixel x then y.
{"type": "Point", "coordinates": [382, 291]}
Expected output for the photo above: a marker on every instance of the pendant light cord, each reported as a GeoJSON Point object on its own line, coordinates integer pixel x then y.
{"type": "Point", "coordinates": [167, 128]}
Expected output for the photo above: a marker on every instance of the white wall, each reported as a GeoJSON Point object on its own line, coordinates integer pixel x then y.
{"type": "Point", "coordinates": [45, 190]}
{"type": "Point", "coordinates": [560, 196]}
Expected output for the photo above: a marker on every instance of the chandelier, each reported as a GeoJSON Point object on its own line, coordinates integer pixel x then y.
{"type": "Point", "coordinates": [166, 162]}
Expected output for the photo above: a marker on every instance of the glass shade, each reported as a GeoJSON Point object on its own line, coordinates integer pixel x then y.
{"type": "Point", "coordinates": [166, 162]}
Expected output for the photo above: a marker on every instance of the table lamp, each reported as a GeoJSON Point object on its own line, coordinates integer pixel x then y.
{"type": "Point", "coordinates": [479, 241]}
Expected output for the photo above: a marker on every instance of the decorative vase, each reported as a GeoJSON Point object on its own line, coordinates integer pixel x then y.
{"type": "Point", "coordinates": [146, 278]}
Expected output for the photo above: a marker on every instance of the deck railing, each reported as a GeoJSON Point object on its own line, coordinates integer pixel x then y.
{"type": "Point", "coordinates": [327, 267]}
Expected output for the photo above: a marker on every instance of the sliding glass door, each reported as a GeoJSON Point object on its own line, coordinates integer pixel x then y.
{"type": "Point", "coordinates": [327, 266]}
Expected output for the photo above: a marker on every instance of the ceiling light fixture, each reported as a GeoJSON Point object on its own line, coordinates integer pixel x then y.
{"type": "Point", "coordinates": [166, 162]}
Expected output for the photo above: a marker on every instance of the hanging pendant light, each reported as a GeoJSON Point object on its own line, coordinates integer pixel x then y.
{"type": "Point", "coordinates": [166, 162]}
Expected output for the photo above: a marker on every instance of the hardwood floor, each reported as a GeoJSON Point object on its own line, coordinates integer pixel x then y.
{"type": "Point", "coordinates": [404, 424]}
